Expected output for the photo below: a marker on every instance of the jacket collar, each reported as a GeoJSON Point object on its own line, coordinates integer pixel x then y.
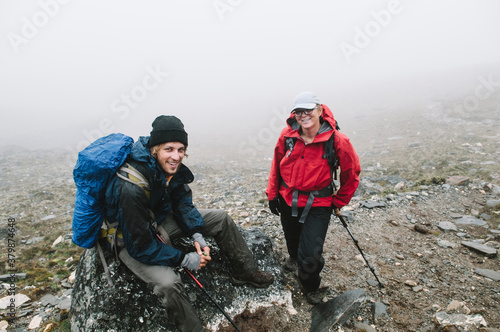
{"type": "Point", "coordinates": [327, 125]}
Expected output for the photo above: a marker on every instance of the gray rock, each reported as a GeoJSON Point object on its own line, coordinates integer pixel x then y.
{"type": "Point", "coordinates": [458, 180]}
{"type": "Point", "coordinates": [337, 310]}
{"type": "Point", "coordinates": [488, 274]}
{"type": "Point", "coordinates": [370, 204]}
{"type": "Point", "coordinates": [18, 299]}
{"type": "Point", "coordinates": [467, 322]}
{"type": "Point", "coordinates": [362, 327]}
{"type": "Point", "coordinates": [379, 311]}
{"type": "Point", "coordinates": [64, 303]}
{"type": "Point", "coordinates": [34, 240]}
{"type": "Point", "coordinates": [445, 244]}
{"type": "Point", "coordinates": [493, 202]}
{"type": "Point", "coordinates": [447, 226]}
{"type": "Point", "coordinates": [417, 289]}
{"type": "Point", "coordinates": [446, 187]}
{"type": "Point", "coordinates": [49, 299]}
{"type": "Point", "coordinates": [481, 248]}
{"type": "Point", "coordinates": [470, 220]}
{"type": "Point", "coordinates": [12, 277]}
{"type": "Point", "coordinates": [485, 216]}
{"type": "Point", "coordinates": [94, 303]}
{"type": "Point", "coordinates": [414, 144]}
{"type": "Point", "coordinates": [400, 186]}
{"type": "Point", "coordinates": [495, 189]}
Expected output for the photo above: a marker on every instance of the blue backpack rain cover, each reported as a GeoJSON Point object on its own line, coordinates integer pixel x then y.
{"type": "Point", "coordinates": [96, 164]}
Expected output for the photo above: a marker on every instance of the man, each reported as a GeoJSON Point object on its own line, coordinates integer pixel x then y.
{"type": "Point", "coordinates": [162, 206]}
{"type": "Point", "coordinates": [301, 189]}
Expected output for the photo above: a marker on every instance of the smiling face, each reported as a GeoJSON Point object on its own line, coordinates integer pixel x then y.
{"type": "Point", "coordinates": [169, 156]}
{"type": "Point", "coordinates": [309, 119]}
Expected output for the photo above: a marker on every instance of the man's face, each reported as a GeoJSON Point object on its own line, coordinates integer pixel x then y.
{"type": "Point", "coordinates": [170, 156]}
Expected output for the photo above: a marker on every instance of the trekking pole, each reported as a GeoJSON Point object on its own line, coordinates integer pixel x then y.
{"type": "Point", "coordinates": [356, 243]}
{"type": "Point", "coordinates": [205, 291]}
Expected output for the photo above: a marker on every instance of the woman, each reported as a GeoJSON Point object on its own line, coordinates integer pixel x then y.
{"type": "Point", "coordinates": [301, 187]}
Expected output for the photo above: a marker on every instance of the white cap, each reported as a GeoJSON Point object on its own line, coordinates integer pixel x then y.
{"type": "Point", "coordinates": [307, 100]}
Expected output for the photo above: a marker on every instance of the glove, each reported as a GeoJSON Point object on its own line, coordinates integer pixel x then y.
{"type": "Point", "coordinates": [197, 237]}
{"type": "Point", "coordinates": [191, 261]}
{"type": "Point", "coordinates": [274, 206]}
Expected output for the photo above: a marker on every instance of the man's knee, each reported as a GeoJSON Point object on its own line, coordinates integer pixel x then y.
{"type": "Point", "coordinates": [169, 286]}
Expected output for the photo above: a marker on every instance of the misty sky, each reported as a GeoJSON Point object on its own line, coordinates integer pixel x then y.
{"type": "Point", "coordinates": [72, 70]}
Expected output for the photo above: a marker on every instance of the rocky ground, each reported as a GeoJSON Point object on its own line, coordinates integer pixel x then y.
{"type": "Point", "coordinates": [426, 216]}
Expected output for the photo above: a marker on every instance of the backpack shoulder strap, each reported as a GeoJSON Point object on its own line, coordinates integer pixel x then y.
{"type": "Point", "coordinates": [135, 177]}
{"type": "Point", "coordinates": [111, 231]}
{"type": "Point", "coordinates": [289, 144]}
{"type": "Point", "coordinates": [330, 155]}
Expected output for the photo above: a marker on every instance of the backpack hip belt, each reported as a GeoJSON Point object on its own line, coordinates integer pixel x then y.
{"type": "Point", "coordinates": [325, 192]}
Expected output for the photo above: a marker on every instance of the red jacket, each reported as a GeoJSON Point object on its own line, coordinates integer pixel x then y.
{"type": "Point", "coordinates": [306, 170]}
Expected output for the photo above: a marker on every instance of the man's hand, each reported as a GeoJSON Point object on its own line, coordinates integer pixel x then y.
{"type": "Point", "coordinates": [274, 206]}
{"type": "Point", "coordinates": [204, 255]}
{"type": "Point", "coordinates": [336, 211]}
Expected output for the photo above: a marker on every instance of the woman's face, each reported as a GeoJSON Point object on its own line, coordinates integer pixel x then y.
{"type": "Point", "coordinates": [309, 119]}
{"type": "Point", "coordinates": [170, 155]}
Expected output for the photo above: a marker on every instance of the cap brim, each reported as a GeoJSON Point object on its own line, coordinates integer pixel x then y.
{"type": "Point", "coordinates": [307, 106]}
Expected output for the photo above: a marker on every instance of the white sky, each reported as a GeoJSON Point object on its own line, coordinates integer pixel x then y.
{"type": "Point", "coordinates": [228, 66]}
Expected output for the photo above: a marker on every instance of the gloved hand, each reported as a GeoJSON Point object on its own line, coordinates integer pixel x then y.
{"type": "Point", "coordinates": [191, 261]}
{"type": "Point", "coordinates": [197, 237]}
{"type": "Point", "coordinates": [274, 206]}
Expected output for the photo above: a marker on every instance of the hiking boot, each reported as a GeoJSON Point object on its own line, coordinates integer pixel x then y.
{"type": "Point", "coordinates": [260, 279]}
{"type": "Point", "coordinates": [316, 297]}
{"type": "Point", "coordinates": [291, 264]}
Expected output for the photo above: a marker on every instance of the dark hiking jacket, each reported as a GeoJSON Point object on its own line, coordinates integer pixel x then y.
{"type": "Point", "coordinates": [128, 204]}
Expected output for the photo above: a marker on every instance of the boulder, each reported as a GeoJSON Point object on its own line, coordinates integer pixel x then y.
{"type": "Point", "coordinates": [337, 310]}
{"type": "Point", "coordinates": [130, 305]}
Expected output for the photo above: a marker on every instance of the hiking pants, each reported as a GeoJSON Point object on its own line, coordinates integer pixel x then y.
{"type": "Point", "coordinates": [167, 283]}
{"type": "Point", "coordinates": [305, 241]}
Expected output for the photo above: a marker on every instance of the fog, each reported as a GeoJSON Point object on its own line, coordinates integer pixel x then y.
{"type": "Point", "coordinates": [72, 71]}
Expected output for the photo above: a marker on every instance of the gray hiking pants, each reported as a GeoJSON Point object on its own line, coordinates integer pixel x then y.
{"type": "Point", "coordinates": [167, 283]}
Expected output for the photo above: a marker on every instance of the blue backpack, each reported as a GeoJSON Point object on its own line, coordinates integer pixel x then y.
{"type": "Point", "coordinates": [95, 166]}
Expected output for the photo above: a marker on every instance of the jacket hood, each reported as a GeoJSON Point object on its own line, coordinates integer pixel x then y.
{"type": "Point", "coordinates": [140, 151]}
{"type": "Point", "coordinates": [327, 117]}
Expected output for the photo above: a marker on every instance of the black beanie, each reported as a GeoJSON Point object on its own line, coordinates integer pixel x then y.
{"type": "Point", "coordinates": [167, 128]}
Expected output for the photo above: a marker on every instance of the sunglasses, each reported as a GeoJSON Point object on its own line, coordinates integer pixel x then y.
{"type": "Point", "coordinates": [299, 113]}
